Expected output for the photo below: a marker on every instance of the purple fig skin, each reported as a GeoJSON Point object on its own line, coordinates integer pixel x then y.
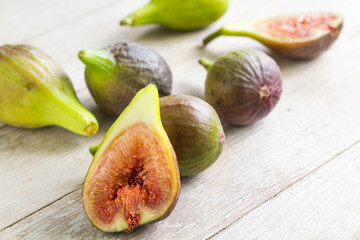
{"type": "Point", "coordinates": [243, 86]}
{"type": "Point", "coordinates": [306, 50]}
{"type": "Point", "coordinates": [114, 74]}
{"type": "Point", "coordinates": [296, 36]}
{"type": "Point", "coordinates": [194, 130]}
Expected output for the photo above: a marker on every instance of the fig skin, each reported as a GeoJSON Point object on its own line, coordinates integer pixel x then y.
{"type": "Point", "coordinates": [134, 178]}
{"type": "Point", "coordinates": [178, 14]}
{"type": "Point", "coordinates": [243, 86]}
{"type": "Point", "coordinates": [36, 92]}
{"type": "Point", "coordinates": [114, 74]}
{"type": "Point", "coordinates": [296, 47]}
{"type": "Point", "coordinates": [195, 131]}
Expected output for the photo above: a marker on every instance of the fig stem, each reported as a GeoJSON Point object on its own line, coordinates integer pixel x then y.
{"type": "Point", "coordinates": [212, 37]}
{"type": "Point", "coordinates": [144, 15]}
{"type": "Point", "coordinates": [93, 149]}
{"type": "Point", "coordinates": [206, 63]}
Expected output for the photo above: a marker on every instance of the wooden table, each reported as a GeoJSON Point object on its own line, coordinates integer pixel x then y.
{"type": "Point", "coordinates": [294, 175]}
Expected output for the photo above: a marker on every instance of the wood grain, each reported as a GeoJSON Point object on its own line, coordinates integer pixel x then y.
{"type": "Point", "coordinates": [315, 119]}
{"type": "Point", "coordinates": [325, 205]}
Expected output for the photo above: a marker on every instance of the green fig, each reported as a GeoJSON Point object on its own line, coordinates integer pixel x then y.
{"type": "Point", "coordinates": [195, 131]}
{"type": "Point", "coordinates": [299, 36]}
{"type": "Point", "coordinates": [114, 74]}
{"type": "Point", "coordinates": [178, 14]}
{"type": "Point", "coordinates": [36, 92]}
{"type": "Point", "coordinates": [133, 178]}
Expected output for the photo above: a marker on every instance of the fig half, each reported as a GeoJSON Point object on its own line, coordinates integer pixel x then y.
{"type": "Point", "coordinates": [178, 14]}
{"type": "Point", "coordinates": [133, 178]}
{"type": "Point", "coordinates": [243, 86]}
{"type": "Point", "coordinates": [298, 36]}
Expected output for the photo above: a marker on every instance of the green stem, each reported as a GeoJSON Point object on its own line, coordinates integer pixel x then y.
{"type": "Point", "coordinates": [212, 37]}
{"type": "Point", "coordinates": [74, 117]}
{"type": "Point", "coordinates": [206, 63]}
{"type": "Point", "coordinates": [141, 16]}
{"type": "Point", "coordinates": [93, 149]}
{"type": "Point", "coordinates": [233, 29]}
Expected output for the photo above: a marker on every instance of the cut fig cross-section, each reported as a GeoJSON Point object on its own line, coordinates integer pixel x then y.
{"type": "Point", "coordinates": [299, 36]}
{"type": "Point", "coordinates": [134, 177]}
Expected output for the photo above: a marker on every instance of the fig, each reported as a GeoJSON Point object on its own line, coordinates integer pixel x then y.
{"type": "Point", "coordinates": [133, 178]}
{"type": "Point", "coordinates": [298, 36]}
{"type": "Point", "coordinates": [114, 74]}
{"type": "Point", "coordinates": [194, 130]}
{"type": "Point", "coordinates": [36, 92]}
{"type": "Point", "coordinates": [243, 86]}
{"type": "Point", "coordinates": [178, 14]}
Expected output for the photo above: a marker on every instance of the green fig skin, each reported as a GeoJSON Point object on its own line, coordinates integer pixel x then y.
{"type": "Point", "coordinates": [114, 74]}
{"type": "Point", "coordinates": [194, 130]}
{"type": "Point", "coordinates": [182, 15]}
{"type": "Point", "coordinates": [36, 92]}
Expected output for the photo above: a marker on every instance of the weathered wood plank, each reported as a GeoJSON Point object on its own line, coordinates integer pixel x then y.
{"type": "Point", "coordinates": [25, 20]}
{"type": "Point", "coordinates": [306, 129]}
{"type": "Point", "coordinates": [33, 177]}
{"type": "Point", "coordinates": [325, 205]}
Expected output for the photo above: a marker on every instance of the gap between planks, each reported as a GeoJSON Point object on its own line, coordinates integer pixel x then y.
{"type": "Point", "coordinates": [287, 187]}
{"type": "Point", "coordinates": [43, 207]}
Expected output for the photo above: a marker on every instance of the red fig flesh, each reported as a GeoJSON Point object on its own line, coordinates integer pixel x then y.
{"type": "Point", "coordinates": [300, 36]}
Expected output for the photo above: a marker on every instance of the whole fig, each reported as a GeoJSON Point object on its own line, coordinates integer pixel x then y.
{"type": "Point", "coordinates": [35, 92]}
{"type": "Point", "coordinates": [194, 130]}
{"type": "Point", "coordinates": [243, 86]}
{"type": "Point", "coordinates": [178, 14]}
{"type": "Point", "coordinates": [114, 74]}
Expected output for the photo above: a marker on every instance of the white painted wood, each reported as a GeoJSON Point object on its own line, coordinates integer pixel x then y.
{"type": "Point", "coordinates": [314, 120]}
{"type": "Point", "coordinates": [325, 205]}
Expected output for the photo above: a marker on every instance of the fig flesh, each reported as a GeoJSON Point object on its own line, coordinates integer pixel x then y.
{"type": "Point", "coordinates": [243, 86]}
{"type": "Point", "coordinates": [178, 14]}
{"type": "Point", "coordinates": [133, 178]}
{"type": "Point", "coordinates": [194, 130]}
{"type": "Point", "coordinates": [36, 92]}
{"type": "Point", "coordinates": [114, 74]}
{"type": "Point", "coordinates": [298, 36]}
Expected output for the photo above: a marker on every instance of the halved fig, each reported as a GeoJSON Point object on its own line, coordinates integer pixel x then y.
{"type": "Point", "coordinates": [133, 179]}
{"type": "Point", "coordinates": [299, 36]}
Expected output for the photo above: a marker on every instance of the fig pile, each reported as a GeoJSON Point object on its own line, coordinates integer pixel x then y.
{"type": "Point", "coordinates": [134, 177]}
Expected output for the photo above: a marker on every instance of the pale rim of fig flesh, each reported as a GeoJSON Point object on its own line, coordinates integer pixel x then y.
{"type": "Point", "coordinates": [285, 29]}
{"type": "Point", "coordinates": [138, 143]}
